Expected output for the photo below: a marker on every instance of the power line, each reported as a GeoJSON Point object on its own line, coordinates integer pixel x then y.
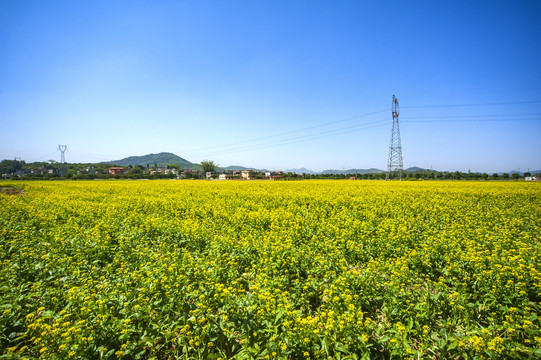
{"type": "Point", "coordinates": [43, 157]}
{"type": "Point", "coordinates": [303, 138]}
{"type": "Point", "coordinates": [92, 156]}
{"type": "Point", "coordinates": [295, 140]}
{"type": "Point", "coordinates": [473, 116]}
{"type": "Point", "coordinates": [471, 120]}
{"type": "Point", "coordinates": [288, 132]}
{"type": "Point", "coordinates": [334, 132]}
{"type": "Point", "coordinates": [478, 104]}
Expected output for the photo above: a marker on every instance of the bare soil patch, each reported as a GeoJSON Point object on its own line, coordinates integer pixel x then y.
{"type": "Point", "coordinates": [11, 190]}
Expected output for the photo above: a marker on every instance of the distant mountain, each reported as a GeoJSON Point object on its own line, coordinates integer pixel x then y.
{"type": "Point", "coordinates": [414, 169]}
{"type": "Point", "coordinates": [240, 168]}
{"type": "Point", "coordinates": [366, 171]}
{"type": "Point", "coordinates": [163, 158]}
{"type": "Point", "coordinates": [300, 171]}
{"type": "Point", "coordinates": [235, 167]}
{"type": "Point", "coordinates": [353, 171]}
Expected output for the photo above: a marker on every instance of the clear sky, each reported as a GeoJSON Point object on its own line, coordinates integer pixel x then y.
{"type": "Point", "coordinates": [273, 84]}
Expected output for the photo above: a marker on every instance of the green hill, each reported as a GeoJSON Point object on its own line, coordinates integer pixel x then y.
{"type": "Point", "coordinates": [353, 171]}
{"type": "Point", "coordinates": [163, 158]}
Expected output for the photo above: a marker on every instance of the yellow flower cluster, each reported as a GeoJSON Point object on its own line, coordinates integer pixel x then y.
{"type": "Point", "coordinates": [305, 270]}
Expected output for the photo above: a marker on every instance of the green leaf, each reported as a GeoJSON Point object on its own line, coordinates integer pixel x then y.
{"type": "Point", "coordinates": [340, 347]}
{"type": "Point", "coordinates": [279, 314]}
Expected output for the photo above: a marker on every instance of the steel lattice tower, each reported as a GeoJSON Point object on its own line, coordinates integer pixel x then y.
{"type": "Point", "coordinates": [395, 165]}
{"type": "Point", "coordinates": [62, 149]}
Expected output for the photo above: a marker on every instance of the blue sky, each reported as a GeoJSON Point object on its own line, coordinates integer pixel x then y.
{"type": "Point", "coordinates": [273, 84]}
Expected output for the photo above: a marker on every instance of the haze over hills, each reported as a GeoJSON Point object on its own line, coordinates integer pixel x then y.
{"type": "Point", "coordinates": [166, 158]}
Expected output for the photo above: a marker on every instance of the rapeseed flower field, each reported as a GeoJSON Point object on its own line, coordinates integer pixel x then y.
{"type": "Point", "coordinates": [270, 270]}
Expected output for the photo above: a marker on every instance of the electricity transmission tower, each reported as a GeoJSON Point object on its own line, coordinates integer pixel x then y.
{"type": "Point", "coordinates": [395, 166]}
{"type": "Point", "coordinates": [62, 149]}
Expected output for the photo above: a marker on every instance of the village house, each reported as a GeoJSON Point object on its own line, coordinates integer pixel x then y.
{"type": "Point", "coordinates": [163, 171]}
{"type": "Point", "coordinates": [274, 175]}
{"type": "Point", "coordinates": [116, 170]}
{"type": "Point", "coordinates": [246, 174]}
{"type": "Point", "coordinates": [40, 170]}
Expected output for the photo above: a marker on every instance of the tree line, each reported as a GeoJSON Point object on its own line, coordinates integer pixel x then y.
{"type": "Point", "coordinates": [17, 169]}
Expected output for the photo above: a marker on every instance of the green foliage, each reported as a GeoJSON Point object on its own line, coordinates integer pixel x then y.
{"type": "Point", "coordinates": [10, 166]}
{"type": "Point", "coordinates": [208, 166]}
{"type": "Point", "coordinates": [281, 270]}
{"type": "Point", "coordinates": [136, 170]}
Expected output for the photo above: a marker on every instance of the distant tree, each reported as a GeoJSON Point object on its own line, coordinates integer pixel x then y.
{"type": "Point", "coordinates": [527, 174]}
{"type": "Point", "coordinates": [10, 166]}
{"type": "Point", "coordinates": [516, 176]}
{"type": "Point", "coordinates": [173, 166]}
{"type": "Point", "coordinates": [495, 176]}
{"type": "Point", "coordinates": [137, 169]}
{"type": "Point", "coordinates": [505, 176]}
{"type": "Point", "coordinates": [484, 176]}
{"type": "Point", "coordinates": [208, 166]}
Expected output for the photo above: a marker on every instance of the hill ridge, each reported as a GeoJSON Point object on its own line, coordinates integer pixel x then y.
{"type": "Point", "coordinates": [159, 159]}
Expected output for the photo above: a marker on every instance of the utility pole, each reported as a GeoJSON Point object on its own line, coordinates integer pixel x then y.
{"type": "Point", "coordinates": [62, 149]}
{"type": "Point", "coordinates": [395, 165]}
